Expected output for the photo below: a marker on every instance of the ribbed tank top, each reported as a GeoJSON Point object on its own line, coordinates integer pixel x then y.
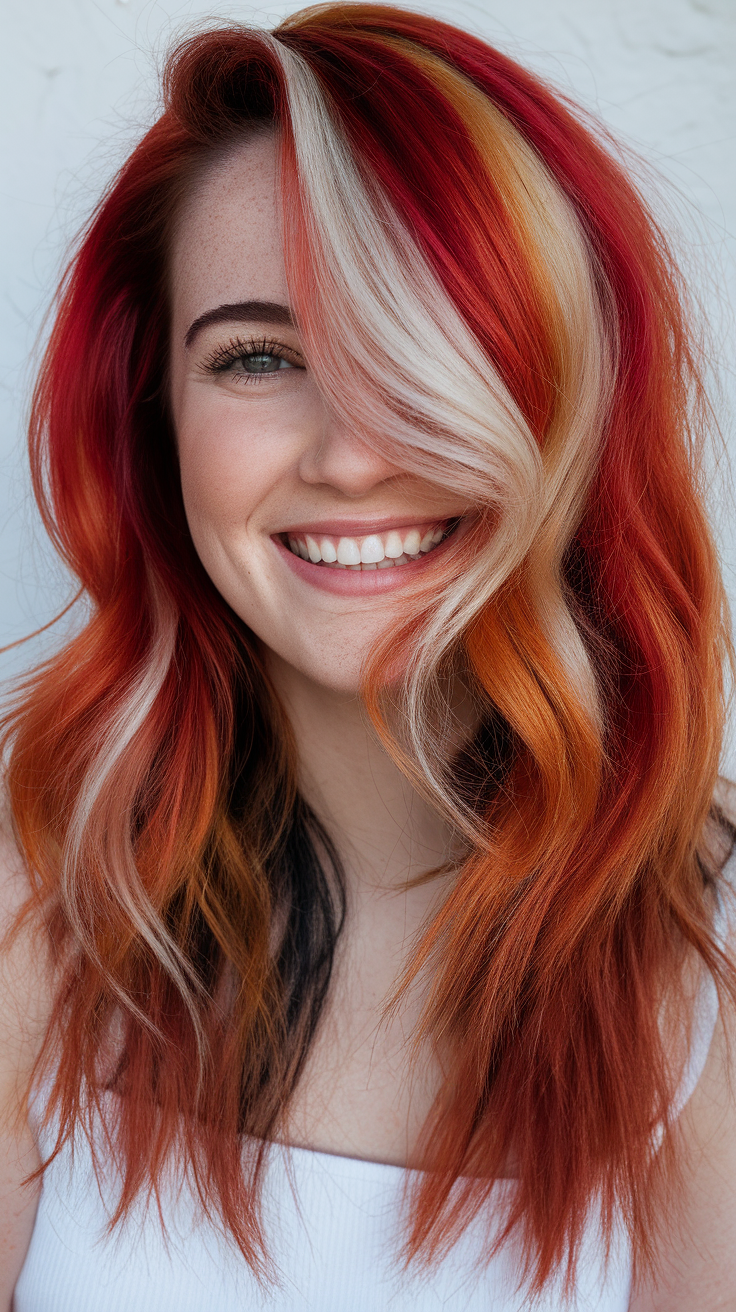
{"type": "Point", "coordinates": [333, 1228]}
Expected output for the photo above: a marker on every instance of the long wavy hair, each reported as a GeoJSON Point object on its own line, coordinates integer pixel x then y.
{"type": "Point", "coordinates": [481, 290]}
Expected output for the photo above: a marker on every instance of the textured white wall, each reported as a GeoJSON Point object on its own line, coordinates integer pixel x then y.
{"type": "Point", "coordinates": [78, 85]}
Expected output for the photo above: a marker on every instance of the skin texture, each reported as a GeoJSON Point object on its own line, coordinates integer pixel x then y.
{"type": "Point", "coordinates": [697, 1254]}
{"type": "Point", "coordinates": [25, 1000]}
{"type": "Point", "coordinates": [258, 456]}
{"type": "Point", "coordinates": [261, 455]}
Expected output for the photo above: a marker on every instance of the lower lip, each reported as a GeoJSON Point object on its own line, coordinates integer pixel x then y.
{"type": "Point", "coordinates": [357, 582]}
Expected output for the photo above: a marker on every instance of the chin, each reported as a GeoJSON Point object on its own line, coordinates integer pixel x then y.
{"type": "Point", "coordinates": [342, 679]}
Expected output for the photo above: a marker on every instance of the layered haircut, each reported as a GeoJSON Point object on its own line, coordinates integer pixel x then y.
{"type": "Point", "coordinates": [481, 294]}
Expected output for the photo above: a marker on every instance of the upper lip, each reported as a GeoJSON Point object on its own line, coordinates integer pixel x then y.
{"type": "Point", "coordinates": [361, 527]}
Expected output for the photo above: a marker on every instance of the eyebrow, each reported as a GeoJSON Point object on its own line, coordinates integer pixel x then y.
{"type": "Point", "coordinates": [241, 312]}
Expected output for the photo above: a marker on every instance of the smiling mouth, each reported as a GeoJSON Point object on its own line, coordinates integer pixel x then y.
{"type": "Point", "coordinates": [387, 550]}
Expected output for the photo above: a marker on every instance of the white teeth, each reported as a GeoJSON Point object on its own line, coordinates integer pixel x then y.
{"type": "Point", "coordinates": [394, 546]}
{"type": "Point", "coordinates": [348, 551]}
{"type": "Point", "coordinates": [372, 550]}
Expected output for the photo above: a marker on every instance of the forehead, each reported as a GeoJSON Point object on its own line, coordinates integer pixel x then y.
{"type": "Point", "coordinates": [227, 244]}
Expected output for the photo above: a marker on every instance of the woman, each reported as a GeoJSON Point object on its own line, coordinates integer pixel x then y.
{"type": "Point", "coordinates": [374, 912]}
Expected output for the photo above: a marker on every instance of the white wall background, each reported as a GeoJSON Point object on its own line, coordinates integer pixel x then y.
{"type": "Point", "coordinates": [78, 86]}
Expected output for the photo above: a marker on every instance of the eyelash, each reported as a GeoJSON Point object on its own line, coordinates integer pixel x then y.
{"type": "Point", "coordinates": [223, 357]}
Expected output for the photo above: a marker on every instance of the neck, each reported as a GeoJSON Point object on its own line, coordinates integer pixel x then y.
{"type": "Point", "coordinates": [386, 832]}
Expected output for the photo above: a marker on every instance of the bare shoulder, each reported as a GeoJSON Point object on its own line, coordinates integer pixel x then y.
{"type": "Point", "coordinates": [697, 1258]}
{"type": "Point", "coordinates": [26, 993]}
{"type": "Point", "coordinates": [25, 964]}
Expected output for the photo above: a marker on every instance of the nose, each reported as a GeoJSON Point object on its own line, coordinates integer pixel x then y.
{"type": "Point", "coordinates": [337, 457]}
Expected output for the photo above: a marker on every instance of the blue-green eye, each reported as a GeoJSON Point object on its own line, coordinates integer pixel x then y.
{"type": "Point", "coordinates": [246, 361]}
{"type": "Point", "coordinates": [263, 363]}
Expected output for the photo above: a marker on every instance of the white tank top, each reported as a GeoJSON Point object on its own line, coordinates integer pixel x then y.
{"type": "Point", "coordinates": [333, 1228]}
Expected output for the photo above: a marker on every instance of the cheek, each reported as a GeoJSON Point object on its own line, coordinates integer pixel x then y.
{"type": "Point", "coordinates": [229, 464]}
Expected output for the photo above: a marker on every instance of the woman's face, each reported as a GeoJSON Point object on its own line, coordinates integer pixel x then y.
{"type": "Point", "coordinates": [310, 535]}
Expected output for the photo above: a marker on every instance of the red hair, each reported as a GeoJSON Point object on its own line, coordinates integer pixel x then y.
{"type": "Point", "coordinates": [151, 772]}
